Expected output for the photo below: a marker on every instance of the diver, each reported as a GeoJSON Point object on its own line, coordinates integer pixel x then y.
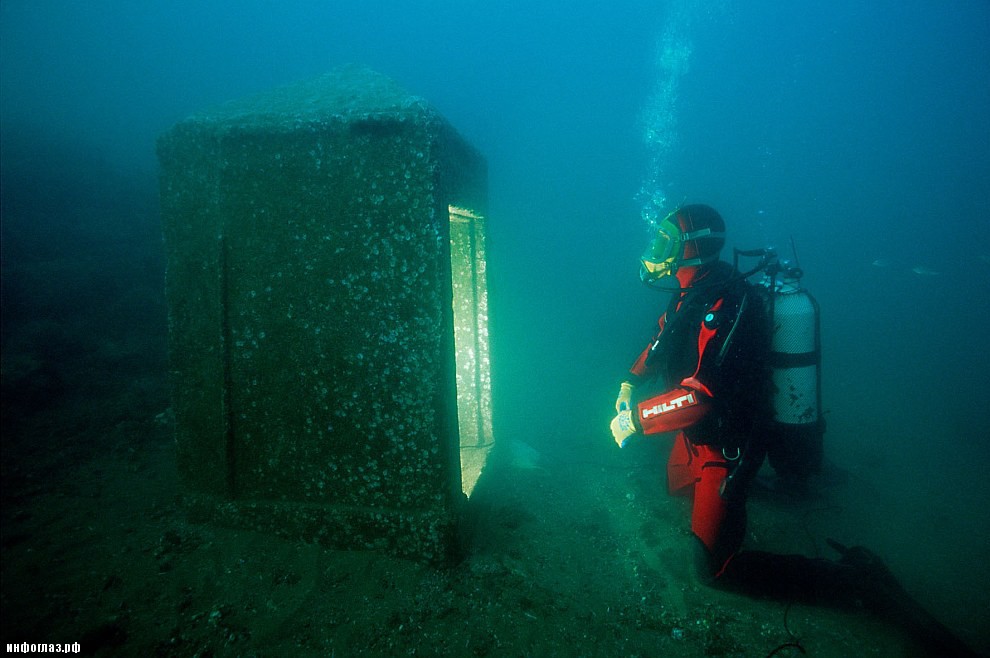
{"type": "Point", "coordinates": [705, 374]}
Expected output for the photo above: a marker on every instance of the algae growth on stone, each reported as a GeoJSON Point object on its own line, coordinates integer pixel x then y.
{"type": "Point", "coordinates": [311, 321]}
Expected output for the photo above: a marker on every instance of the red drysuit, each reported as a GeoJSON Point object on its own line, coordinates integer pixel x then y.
{"type": "Point", "coordinates": [704, 376]}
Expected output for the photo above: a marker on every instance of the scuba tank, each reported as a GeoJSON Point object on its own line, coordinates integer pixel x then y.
{"type": "Point", "coordinates": [794, 432]}
{"type": "Point", "coordinates": [797, 427]}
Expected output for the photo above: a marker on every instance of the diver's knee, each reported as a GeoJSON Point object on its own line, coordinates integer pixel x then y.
{"type": "Point", "coordinates": [705, 564]}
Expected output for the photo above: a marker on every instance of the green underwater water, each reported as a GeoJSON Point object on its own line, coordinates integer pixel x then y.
{"type": "Point", "coordinates": [575, 550]}
{"type": "Point", "coordinates": [859, 131]}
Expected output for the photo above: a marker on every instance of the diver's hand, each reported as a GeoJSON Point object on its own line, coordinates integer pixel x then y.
{"type": "Point", "coordinates": [622, 427]}
{"type": "Point", "coordinates": [624, 401]}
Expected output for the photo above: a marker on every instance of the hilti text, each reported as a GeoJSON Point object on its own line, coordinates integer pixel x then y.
{"type": "Point", "coordinates": [685, 400]}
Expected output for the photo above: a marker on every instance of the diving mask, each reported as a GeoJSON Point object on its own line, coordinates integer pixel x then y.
{"type": "Point", "coordinates": [666, 253]}
{"type": "Point", "coordinates": [660, 258]}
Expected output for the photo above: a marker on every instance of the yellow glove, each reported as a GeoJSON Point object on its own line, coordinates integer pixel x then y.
{"type": "Point", "coordinates": [622, 427]}
{"type": "Point", "coordinates": [624, 401]}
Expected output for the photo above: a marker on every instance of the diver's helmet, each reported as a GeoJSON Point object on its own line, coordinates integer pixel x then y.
{"type": "Point", "coordinates": [690, 236]}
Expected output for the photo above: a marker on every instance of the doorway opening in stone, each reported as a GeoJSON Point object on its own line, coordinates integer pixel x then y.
{"type": "Point", "coordinates": [473, 363]}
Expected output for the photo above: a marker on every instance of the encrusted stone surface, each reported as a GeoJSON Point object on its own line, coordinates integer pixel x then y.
{"type": "Point", "coordinates": [310, 318]}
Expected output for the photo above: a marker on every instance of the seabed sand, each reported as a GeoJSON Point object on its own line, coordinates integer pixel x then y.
{"type": "Point", "coordinates": [586, 556]}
